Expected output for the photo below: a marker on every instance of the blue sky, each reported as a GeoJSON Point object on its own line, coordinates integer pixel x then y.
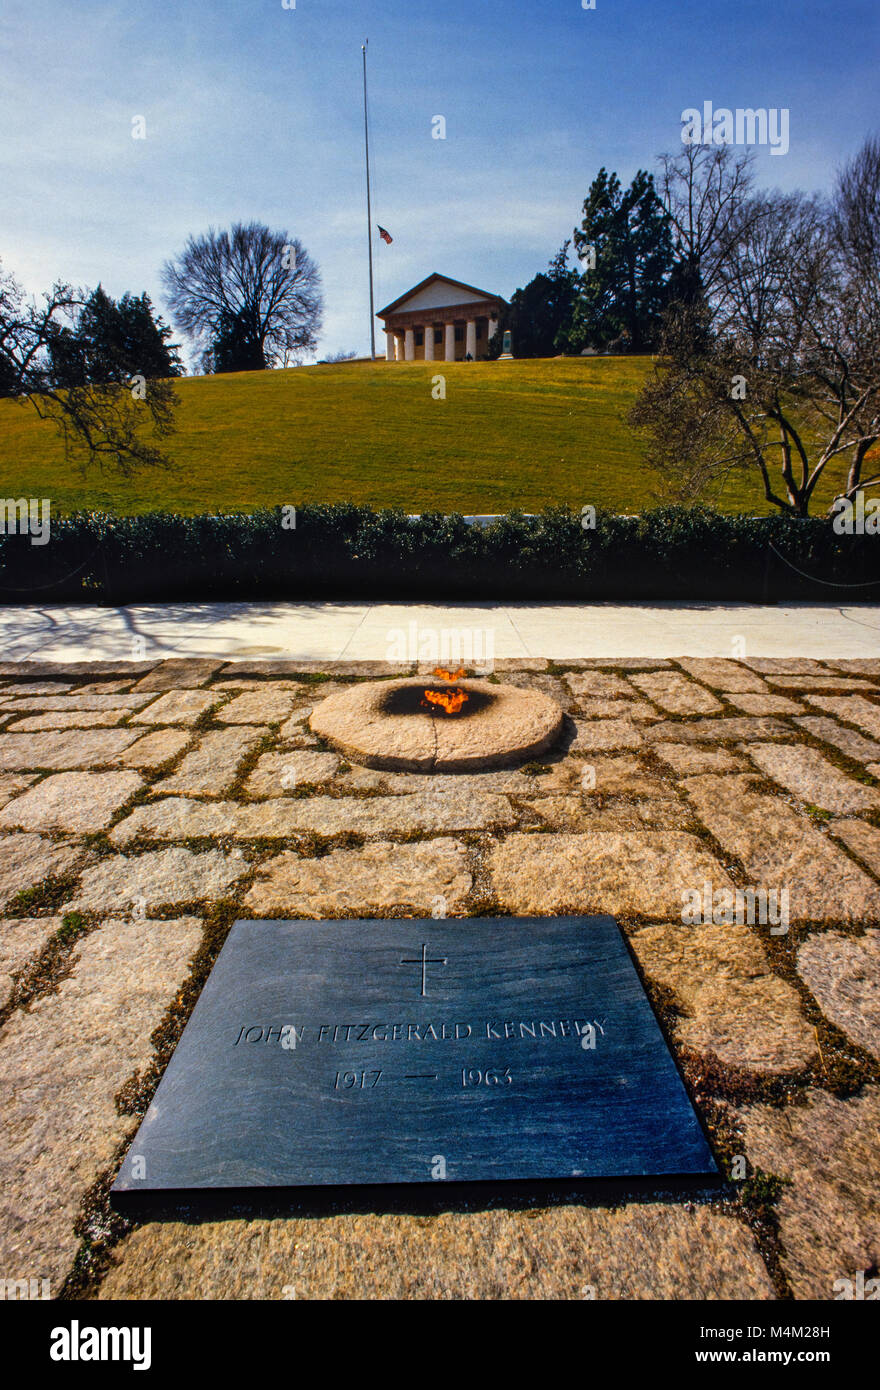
{"type": "Point", "coordinates": [254, 111]}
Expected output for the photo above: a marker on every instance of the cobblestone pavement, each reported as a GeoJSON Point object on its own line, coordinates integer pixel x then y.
{"type": "Point", "coordinates": [144, 807]}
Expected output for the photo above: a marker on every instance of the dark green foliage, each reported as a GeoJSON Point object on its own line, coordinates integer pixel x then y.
{"type": "Point", "coordinates": [622, 298]}
{"type": "Point", "coordinates": [112, 343]}
{"type": "Point", "coordinates": [539, 315]}
{"type": "Point", "coordinates": [351, 552]}
{"type": "Point", "coordinates": [235, 348]}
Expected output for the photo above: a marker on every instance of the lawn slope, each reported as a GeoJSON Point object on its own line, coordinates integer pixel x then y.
{"type": "Point", "coordinates": [524, 434]}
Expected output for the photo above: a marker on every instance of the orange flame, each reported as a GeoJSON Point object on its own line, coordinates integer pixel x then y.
{"type": "Point", "coordinates": [450, 700]}
{"type": "Point", "coordinates": [443, 675]}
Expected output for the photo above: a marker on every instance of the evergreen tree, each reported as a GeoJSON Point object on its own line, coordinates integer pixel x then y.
{"type": "Point", "coordinates": [235, 347]}
{"type": "Point", "coordinates": [621, 299]}
{"type": "Point", "coordinates": [109, 342]}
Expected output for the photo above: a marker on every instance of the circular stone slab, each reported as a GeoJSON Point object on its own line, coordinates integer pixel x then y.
{"type": "Point", "coordinates": [383, 725]}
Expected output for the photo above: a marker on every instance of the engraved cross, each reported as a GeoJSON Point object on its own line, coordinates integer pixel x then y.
{"type": "Point", "coordinates": [424, 961]}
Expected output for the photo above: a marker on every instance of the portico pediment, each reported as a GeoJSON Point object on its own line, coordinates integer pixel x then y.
{"type": "Point", "coordinates": [441, 292]}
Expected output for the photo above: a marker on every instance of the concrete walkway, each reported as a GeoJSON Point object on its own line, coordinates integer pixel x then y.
{"type": "Point", "coordinates": [351, 631]}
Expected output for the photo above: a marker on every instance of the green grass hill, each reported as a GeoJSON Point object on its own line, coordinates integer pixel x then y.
{"type": "Point", "coordinates": [509, 435]}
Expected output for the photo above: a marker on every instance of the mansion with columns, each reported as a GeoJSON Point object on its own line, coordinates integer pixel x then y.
{"type": "Point", "coordinates": [440, 320]}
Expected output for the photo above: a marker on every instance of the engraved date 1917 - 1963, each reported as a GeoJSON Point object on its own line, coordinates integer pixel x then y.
{"type": "Point", "coordinates": [470, 1077]}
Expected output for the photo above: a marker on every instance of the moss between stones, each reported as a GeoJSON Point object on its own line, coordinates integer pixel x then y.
{"type": "Point", "coordinates": [55, 962]}
{"type": "Point", "coordinates": [43, 898]}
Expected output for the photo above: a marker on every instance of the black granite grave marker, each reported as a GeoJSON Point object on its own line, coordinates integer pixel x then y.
{"type": "Point", "coordinates": [417, 1051]}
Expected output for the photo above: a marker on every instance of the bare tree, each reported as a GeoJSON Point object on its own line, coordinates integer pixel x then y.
{"type": "Point", "coordinates": [115, 423]}
{"type": "Point", "coordinates": [706, 191]}
{"type": "Point", "coordinates": [777, 370]}
{"type": "Point", "coordinates": [855, 338]}
{"type": "Point", "coordinates": [248, 297]}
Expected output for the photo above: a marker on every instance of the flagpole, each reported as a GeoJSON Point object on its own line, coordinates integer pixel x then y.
{"type": "Point", "coordinates": [369, 211]}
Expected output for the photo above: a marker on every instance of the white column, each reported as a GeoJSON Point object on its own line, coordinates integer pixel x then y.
{"type": "Point", "coordinates": [471, 338]}
{"type": "Point", "coordinates": [429, 342]}
{"type": "Point", "coordinates": [389, 346]}
{"type": "Point", "coordinates": [398, 348]}
{"type": "Point", "coordinates": [450, 342]}
{"type": "Point", "coordinates": [410, 348]}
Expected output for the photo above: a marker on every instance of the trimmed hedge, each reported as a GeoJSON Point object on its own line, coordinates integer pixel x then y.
{"type": "Point", "coordinates": [348, 552]}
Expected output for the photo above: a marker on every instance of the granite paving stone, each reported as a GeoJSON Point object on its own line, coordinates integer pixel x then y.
{"type": "Point", "coordinates": [810, 777]}
{"type": "Point", "coordinates": [73, 702]}
{"type": "Point", "coordinates": [425, 877]}
{"type": "Point", "coordinates": [859, 665]}
{"type": "Point", "coordinates": [862, 838]}
{"type": "Point", "coordinates": [586, 813]}
{"type": "Point", "coordinates": [786, 666]}
{"type": "Point", "coordinates": [211, 766]}
{"type": "Point", "coordinates": [63, 748]}
{"type": "Point", "coordinates": [780, 849]}
{"type": "Point", "coordinates": [843, 973]}
{"type": "Point", "coordinates": [624, 663]}
{"type": "Point", "coordinates": [152, 750]}
{"type": "Point", "coordinates": [717, 730]}
{"type": "Point", "coordinates": [295, 731]}
{"type": "Point", "coordinates": [724, 675]}
{"type": "Point", "coordinates": [621, 776]}
{"type": "Point", "coordinates": [35, 688]}
{"type": "Point", "coordinates": [619, 709]}
{"type": "Point", "coordinates": [177, 672]}
{"type": "Point", "coordinates": [685, 758]}
{"type": "Point", "coordinates": [765, 704]}
{"type": "Point", "coordinates": [605, 735]}
{"type": "Point", "coordinates": [72, 801]}
{"type": "Point", "coordinates": [814, 683]}
{"type": "Point", "coordinates": [75, 719]}
{"type": "Point", "coordinates": [732, 1003]}
{"type": "Point", "coordinates": [603, 871]}
{"type": "Point", "coordinates": [235, 685]}
{"type": "Point", "coordinates": [852, 709]}
{"type": "Point", "coordinates": [553, 686]}
{"type": "Point", "coordinates": [179, 818]}
{"type": "Point", "coordinates": [62, 1062]}
{"type": "Point", "coordinates": [587, 686]}
{"type": "Point", "coordinates": [21, 939]}
{"type": "Point", "coordinates": [649, 1250]}
{"type": "Point", "coordinates": [72, 672]}
{"type": "Point", "coordinates": [676, 694]}
{"type": "Point", "coordinates": [178, 707]}
{"type": "Point", "coordinates": [291, 768]}
{"type": "Point", "coordinates": [25, 860]}
{"type": "Point", "coordinates": [829, 1215]}
{"type": "Point", "coordinates": [158, 878]}
{"type": "Point", "coordinates": [265, 706]}
{"type": "Point", "coordinates": [101, 687]}
{"type": "Point", "coordinates": [847, 741]}
{"type": "Point", "coordinates": [11, 783]}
